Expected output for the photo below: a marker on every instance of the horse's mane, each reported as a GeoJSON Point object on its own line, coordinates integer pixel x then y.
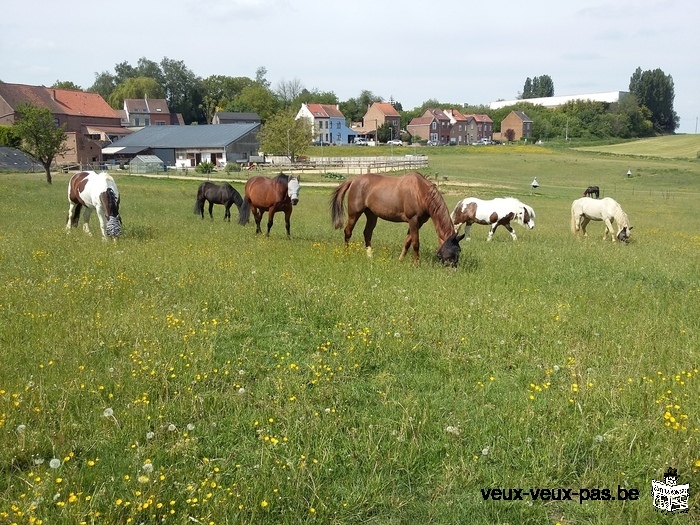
{"type": "Point", "coordinates": [113, 202]}
{"type": "Point", "coordinates": [620, 217]}
{"type": "Point", "coordinates": [438, 211]}
{"type": "Point", "coordinates": [282, 178]}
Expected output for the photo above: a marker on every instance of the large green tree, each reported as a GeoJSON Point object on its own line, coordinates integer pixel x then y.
{"type": "Point", "coordinates": [655, 90]}
{"type": "Point", "coordinates": [139, 87]}
{"type": "Point", "coordinates": [183, 90]}
{"type": "Point", "coordinates": [282, 134]}
{"type": "Point", "coordinates": [39, 135]}
{"type": "Point", "coordinates": [542, 86]}
{"type": "Point", "coordinates": [354, 109]}
{"type": "Point", "coordinates": [255, 98]}
{"type": "Point", "coordinates": [66, 84]}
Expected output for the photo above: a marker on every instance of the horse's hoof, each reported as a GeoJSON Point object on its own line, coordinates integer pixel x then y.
{"type": "Point", "coordinates": [369, 253]}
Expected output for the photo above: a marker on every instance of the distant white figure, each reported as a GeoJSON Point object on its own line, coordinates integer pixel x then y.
{"type": "Point", "coordinates": [534, 183]}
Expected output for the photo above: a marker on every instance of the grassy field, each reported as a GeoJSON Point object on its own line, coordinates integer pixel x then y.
{"type": "Point", "coordinates": [681, 146]}
{"type": "Point", "coordinates": [192, 372]}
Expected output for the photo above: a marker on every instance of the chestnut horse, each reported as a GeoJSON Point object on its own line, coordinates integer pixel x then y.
{"type": "Point", "coordinates": [94, 191]}
{"type": "Point", "coordinates": [272, 195]}
{"type": "Point", "coordinates": [410, 198]}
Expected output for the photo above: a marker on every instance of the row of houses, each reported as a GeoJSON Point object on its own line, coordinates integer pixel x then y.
{"type": "Point", "coordinates": [98, 133]}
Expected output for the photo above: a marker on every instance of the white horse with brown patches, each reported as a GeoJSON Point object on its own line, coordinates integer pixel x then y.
{"type": "Point", "coordinates": [494, 213]}
{"type": "Point", "coordinates": [608, 210]}
{"type": "Point", "coordinates": [94, 191]}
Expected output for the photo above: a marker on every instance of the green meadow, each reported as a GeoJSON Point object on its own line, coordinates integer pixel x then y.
{"type": "Point", "coordinates": [193, 372]}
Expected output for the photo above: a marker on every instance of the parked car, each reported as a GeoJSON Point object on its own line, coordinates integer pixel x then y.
{"type": "Point", "coordinates": [359, 141]}
{"type": "Point", "coordinates": [395, 142]}
{"type": "Point", "coordinates": [321, 143]}
{"type": "Point", "coordinates": [431, 143]}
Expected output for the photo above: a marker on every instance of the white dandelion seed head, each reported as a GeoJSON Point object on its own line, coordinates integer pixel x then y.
{"type": "Point", "coordinates": [21, 429]}
{"type": "Point", "coordinates": [452, 430]}
{"type": "Point", "coordinates": [172, 428]}
{"type": "Point", "coordinates": [38, 461]}
{"type": "Point", "coordinates": [110, 370]}
{"type": "Point", "coordinates": [328, 411]}
{"type": "Point", "coordinates": [147, 467]}
{"type": "Point", "coordinates": [241, 372]}
{"type": "Point", "coordinates": [599, 438]}
{"type": "Point", "coordinates": [241, 390]}
{"type": "Point", "coordinates": [55, 463]}
{"type": "Point", "coordinates": [108, 412]}
{"type": "Point", "coordinates": [485, 451]}
{"type": "Point", "coordinates": [150, 435]}
{"type": "Point", "coordinates": [555, 368]}
{"type": "Point", "coordinates": [190, 427]}
{"type": "Point", "coordinates": [57, 496]}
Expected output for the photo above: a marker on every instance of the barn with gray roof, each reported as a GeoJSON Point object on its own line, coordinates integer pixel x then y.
{"type": "Point", "coordinates": [187, 146]}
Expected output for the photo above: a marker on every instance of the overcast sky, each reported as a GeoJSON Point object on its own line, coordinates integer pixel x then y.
{"type": "Point", "coordinates": [457, 51]}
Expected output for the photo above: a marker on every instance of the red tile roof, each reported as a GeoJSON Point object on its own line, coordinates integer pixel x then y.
{"type": "Point", "coordinates": [58, 101]}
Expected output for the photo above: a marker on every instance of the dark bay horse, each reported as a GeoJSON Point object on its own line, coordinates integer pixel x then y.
{"type": "Point", "coordinates": [94, 191]}
{"type": "Point", "coordinates": [224, 194]}
{"type": "Point", "coordinates": [592, 190]}
{"type": "Point", "coordinates": [410, 198]}
{"type": "Point", "coordinates": [263, 194]}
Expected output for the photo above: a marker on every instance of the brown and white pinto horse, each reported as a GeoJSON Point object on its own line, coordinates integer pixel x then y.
{"type": "Point", "coordinates": [493, 213]}
{"type": "Point", "coordinates": [410, 198]}
{"type": "Point", "coordinates": [94, 191]}
{"type": "Point", "coordinates": [272, 195]}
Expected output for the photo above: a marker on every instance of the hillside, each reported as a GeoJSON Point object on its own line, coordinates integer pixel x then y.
{"type": "Point", "coordinates": [675, 146]}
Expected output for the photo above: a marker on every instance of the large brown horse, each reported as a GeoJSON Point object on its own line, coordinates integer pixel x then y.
{"type": "Point", "coordinates": [410, 198]}
{"type": "Point", "coordinates": [272, 195]}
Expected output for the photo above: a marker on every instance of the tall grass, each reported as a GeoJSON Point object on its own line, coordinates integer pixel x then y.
{"type": "Point", "coordinates": [193, 372]}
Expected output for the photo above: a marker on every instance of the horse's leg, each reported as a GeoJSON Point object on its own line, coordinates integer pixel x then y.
{"type": "Point", "coordinates": [467, 231]}
{"type": "Point", "coordinates": [584, 222]}
{"type": "Point", "coordinates": [608, 228]}
{"type": "Point", "coordinates": [491, 231]}
{"type": "Point", "coordinates": [257, 215]}
{"type": "Point", "coordinates": [352, 220]}
{"type": "Point", "coordinates": [511, 231]}
{"type": "Point", "coordinates": [86, 219]}
{"type": "Point", "coordinates": [270, 219]}
{"type": "Point", "coordinates": [211, 208]}
{"type": "Point", "coordinates": [413, 228]}
{"type": "Point", "coordinates": [369, 228]}
{"type": "Point", "coordinates": [102, 218]}
{"type": "Point", "coordinates": [227, 213]}
{"type": "Point", "coordinates": [73, 215]}
{"type": "Point", "coordinates": [287, 222]}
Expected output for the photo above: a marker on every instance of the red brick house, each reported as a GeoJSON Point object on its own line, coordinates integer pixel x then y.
{"type": "Point", "coordinates": [433, 125]}
{"type": "Point", "coordinates": [459, 127]}
{"type": "Point", "coordinates": [378, 114]}
{"type": "Point", "coordinates": [519, 122]}
{"type": "Point", "coordinates": [87, 119]}
{"type": "Point", "coordinates": [480, 128]}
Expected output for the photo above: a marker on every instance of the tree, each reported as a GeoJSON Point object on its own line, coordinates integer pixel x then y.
{"type": "Point", "coordinates": [219, 91]}
{"type": "Point", "coordinates": [655, 90]}
{"type": "Point", "coordinates": [9, 137]}
{"type": "Point", "coordinates": [541, 86]}
{"type": "Point", "coordinates": [354, 109]}
{"type": "Point", "coordinates": [287, 91]}
{"type": "Point", "coordinates": [139, 87]}
{"type": "Point", "coordinates": [183, 90]}
{"type": "Point", "coordinates": [282, 134]}
{"type": "Point", "coordinates": [40, 136]}
{"type": "Point", "coordinates": [255, 98]}
{"type": "Point", "coordinates": [104, 84]}
{"type": "Point", "coordinates": [509, 134]}
{"type": "Point", "coordinates": [66, 84]}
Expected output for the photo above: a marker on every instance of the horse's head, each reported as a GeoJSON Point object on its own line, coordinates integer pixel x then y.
{"type": "Point", "coordinates": [528, 217]}
{"type": "Point", "coordinates": [449, 252]}
{"type": "Point", "coordinates": [113, 228]}
{"type": "Point", "coordinates": [624, 234]}
{"type": "Point", "coordinates": [293, 190]}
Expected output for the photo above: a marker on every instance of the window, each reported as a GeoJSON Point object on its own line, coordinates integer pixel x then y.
{"type": "Point", "coordinates": [434, 126]}
{"type": "Point", "coordinates": [337, 126]}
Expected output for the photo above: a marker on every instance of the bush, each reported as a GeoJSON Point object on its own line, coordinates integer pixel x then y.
{"type": "Point", "coordinates": [204, 167]}
{"type": "Point", "coordinates": [232, 167]}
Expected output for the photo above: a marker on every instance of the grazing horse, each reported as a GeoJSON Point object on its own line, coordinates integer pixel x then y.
{"type": "Point", "coordinates": [410, 198]}
{"type": "Point", "coordinates": [215, 194]}
{"type": "Point", "coordinates": [592, 190]}
{"type": "Point", "coordinates": [494, 213]}
{"type": "Point", "coordinates": [271, 195]}
{"type": "Point", "coordinates": [94, 191]}
{"type": "Point", "coordinates": [584, 210]}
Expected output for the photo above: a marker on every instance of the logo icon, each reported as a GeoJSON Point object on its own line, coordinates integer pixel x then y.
{"type": "Point", "coordinates": [668, 495]}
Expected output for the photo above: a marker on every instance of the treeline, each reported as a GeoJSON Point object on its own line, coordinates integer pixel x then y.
{"type": "Point", "coordinates": [646, 111]}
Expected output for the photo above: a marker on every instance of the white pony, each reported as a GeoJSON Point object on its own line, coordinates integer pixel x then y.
{"type": "Point", "coordinates": [94, 191]}
{"type": "Point", "coordinates": [585, 209]}
{"type": "Point", "coordinates": [495, 213]}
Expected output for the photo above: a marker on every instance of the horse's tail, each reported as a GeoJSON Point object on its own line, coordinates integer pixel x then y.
{"type": "Point", "coordinates": [337, 204]}
{"type": "Point", "coordinates": [574, 222]}
{"type": "Point", "coordinates": [244, 212]}
{"type": "Point", "coordinates": [199, 204]}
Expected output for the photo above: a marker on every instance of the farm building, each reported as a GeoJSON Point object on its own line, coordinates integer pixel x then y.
{"type": "Point", "coordinates": [187, 146]}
